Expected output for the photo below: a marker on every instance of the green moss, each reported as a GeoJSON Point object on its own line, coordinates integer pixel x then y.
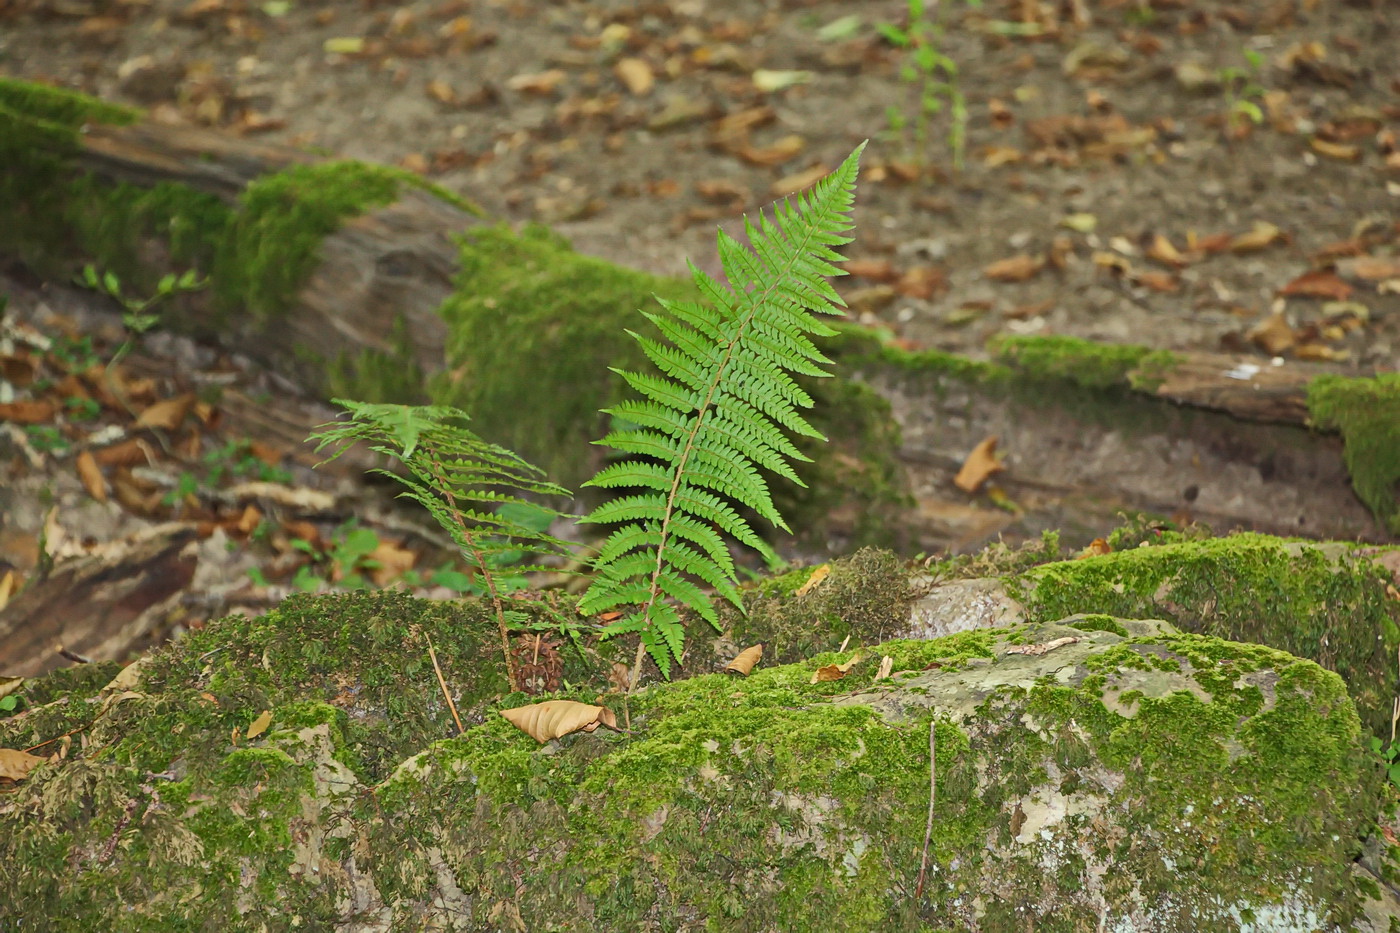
{"type": "Point", "coordinates": [1086, 363]}
{"type": "Point", "coordinates": [273, 243]}
{"type": "Point", "coordinates": [1097, 622]}
{"type": "Point", "coordinates": [1367, 412]}
{"type": "Point", "coordinates": [1249, 588]}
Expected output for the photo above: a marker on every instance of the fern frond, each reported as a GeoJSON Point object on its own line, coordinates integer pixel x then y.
{"type": "Point", "coordinates": [474, 489]}
{"type": "Point", "coordinates": [718, 411]}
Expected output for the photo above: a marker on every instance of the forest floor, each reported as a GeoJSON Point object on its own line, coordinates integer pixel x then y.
{"type": "Point", "coordinates": [1185, 175]}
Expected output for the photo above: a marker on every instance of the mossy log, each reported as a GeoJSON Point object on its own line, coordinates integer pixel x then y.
{"type": "Point", "coordinates": [300, 771]}
{"type": "Point", "coordinates": [366, 282]}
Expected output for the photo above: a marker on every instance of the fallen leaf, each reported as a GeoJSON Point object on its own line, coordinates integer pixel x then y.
{"type": "Point", "coordinates": [1340, 151]}
{"type": "Point", "coordinates": [28, 411]}
{"type": "Point", "coordinates": [1163, 282]}
{"type": "Point", "coordinates": [125, 453]}
{"type": "Point", "coordinates": [814, 581]}
{"type": "Point", "coordinates": [1079, 223]}
{"type": "Point", "coordinates": [344, 45]}
{"type": "Point", "coordinates": [443, 93]}
{"type": "Point", "coordinates": [1319, 352]}
{"type": "Point", "coordinates": [1319, 283]}
{"type": "Point", "coordinates": [91, 475]}
{"type": "Point", "coordinates": [980, 464]}
{"type": "Point", "coordinates": [799, 181]}
{"type": "Point", "coordinates": [9, 685]}
{"type": "Point", "coordinates": [128, 678]}
{"type": "Point", "coordinates": [1162, 250]}
{"type": "Point", "coordinates": [1261, 236]}
{"type": "Point", "coordinates": [1036, 650]}
{"type": "Point", "coordinates": [554, 718]}
{"type": "Point", "coordinates": [746, 659]}
{"type": "Point", "coordinates": [1273, 335]}
{"type": "Point", "coordinates": [880, 270]}
{"type": "Point", "coordinates": [168, 414]}
{"type": "Point", "coordinates": [921, 282]}
{"type": "Point", "coordinates": [886, 666]}
{"type": "Point", "coordinates": [1095, 548]}
{"type": "Point", "coordinates": [784, 150]}
{"type": "Point", "coordinates": [1014, 269]}
{"type": "Point", "coordinates": [636, 75]}
{"type": "Point", "coordinates": [9, 584]}
{"type": "Point", "coordinates": [258, 726]}
{"type": "Point", "coordinates": [832, 672]}
{"type": "Point", "coordinates": [394, 561]}
{"type": "Point", "coordinates": [543, 82]}
{"type": "Point", "coordinates": [15, 765]}
{"type": "Point", "coordinates": [767, 80]}
{"type": "Point", "coordinates": [1370, 268]}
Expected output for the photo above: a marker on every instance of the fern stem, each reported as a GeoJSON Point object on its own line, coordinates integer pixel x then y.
{"type": "Point", "coordinates": [512, 672]}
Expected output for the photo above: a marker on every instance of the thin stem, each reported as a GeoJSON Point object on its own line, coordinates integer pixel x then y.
{"type": "Point", "coordinates": [443, 684]}
{"type": "Point", "coordinates": [932, 790]}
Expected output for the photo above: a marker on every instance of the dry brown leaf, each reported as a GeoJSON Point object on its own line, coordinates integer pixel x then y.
{"type": "Point", "coordinates": [1262, 236]}
{"type": "Point", "coordinates": [997, 156]}
{"type": "Point", "coordinates": [168, 414]}
{"type": "Point", "coordinates": [394, 560]}
{"type": "Point", "coordinates": [258, 726]}
{"type": "Point", "coordinates": [921, 282]}
{"type": "Point", "coordinates": [128, 678]}
{"type": "Point", "coordinates": [1273, 335]}
{"type": "Point", "coordinates": [1095, 548]}
{"type": "Point", "coordinates": [443, 93]}
{"type": "Point", "coordinates": [9, 685]}
{"type": "Point", "coordinates": [18, 369]}
{"type": "Point", "coordinates": [9, 584]}
{"type": "Point", "coordinates": [1319, 283]}
{"type": "Point", "coordinates": [879, 270]}
{"type": "Point", "coordinates": [554, 718]}
{"type": "Point", "coordinates": [1341, 151]}
{"type": "Point", "coordinates": [28, 411]}
{"type": "Point", "coordinates": [91, 475]}
{"type": "Point", "coordinates": [784, 150]}
{"type": "Point", "coordinates": [543, 82]}
{"type": "Point", "coordinates": [979, 465]}
{"type": "Point", "coordinates": [1014, 269]}
{"type": "Point", "coordinates": [1370, 268]}
{"type": "Point", "coordinates": [886, 666]}
{"type": "Point", "coordinates": [1043, 648]}
{"type": "Point", "coordinates": [746, 659]}
{"type": "Point", "coordinates": [799, 181]}
{"type": "Point", "coordinates": [15, 765]}
{"type": "Point", "coordinates": [832, 672]}
{"type": "Point", "coordinates": [1163, 282]}
{"type": "Point", "coordinates": [1319, 352]}
{"type": "Point", "coordinates": [636, 75]}
{"type": "Point", "coordinates": [814, 581]}
{"type": "Point", "coordinates": [125, 453]}
{"type": "Point", "coordinates": [1162, 250]}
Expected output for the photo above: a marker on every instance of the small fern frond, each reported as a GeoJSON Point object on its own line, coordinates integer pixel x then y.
{"type": "Point", "coordinates": [718, 412]}
{"type": "Point", "coordinates": [474, 489]}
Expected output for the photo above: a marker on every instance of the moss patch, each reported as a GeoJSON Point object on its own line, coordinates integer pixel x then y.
{"type": "Point", "coordinates": [1083, 362]}
{"type": "Point", "coordinates": [1367, 412]}
{"type": "Point", "coordinates": [1298, 598]}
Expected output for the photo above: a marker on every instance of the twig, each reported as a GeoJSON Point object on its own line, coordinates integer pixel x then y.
{"type": "Point", "coordinates": [443, 683]}
{"type": "Point", "coordinates": [932, 789]}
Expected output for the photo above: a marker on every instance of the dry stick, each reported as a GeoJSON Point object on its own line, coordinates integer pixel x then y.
{"type": "Point", "coordinates": [443, 684]}
{"type": "Point", "coordinates": [932, 788]}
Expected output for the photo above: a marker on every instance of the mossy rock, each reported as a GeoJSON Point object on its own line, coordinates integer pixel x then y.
{"type": "Point", "coordinates": [1155, 779]}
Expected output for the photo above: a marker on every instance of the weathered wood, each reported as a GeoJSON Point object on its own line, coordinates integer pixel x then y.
{"type": "Point", "coordinates": [1246, 387]}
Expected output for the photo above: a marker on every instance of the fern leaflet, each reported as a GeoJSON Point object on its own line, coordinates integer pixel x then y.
{"type": "Point", "coordinates": [719, 411]}
{"type": "Point", "coordinates": [471, 487]}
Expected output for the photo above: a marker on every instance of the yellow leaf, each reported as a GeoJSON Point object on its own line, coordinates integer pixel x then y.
{"type": "Point", "coordinates": [745, 661]}
{"type": "Point", "coordinates": [1263, 235]}
{"type": "Point", "coordinates": [259, 725]}
{"type": "Point", "coordinates": [15, 765]}
{"type": "Point", "coordinates": [91, 476]}
{"type": "Point", "coordinates": [636, 76]}
{"type": "Point", "coordinates": [344, 45]}
{"type": "Point", "coordinates": [554, 718]}
{"type": "Point", "coordinates": [768, 81]}
{"type": "Point", "coordinates": [980, 464]}
{"type": "Point", "coordinates": [167, 414]}
{"type": "Point", "coordinates": [1080, 223]}
{"type": "Point", "coordinates": [814, 581]}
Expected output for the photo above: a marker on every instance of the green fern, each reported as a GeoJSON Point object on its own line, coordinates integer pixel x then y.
{"type": "Point", "coordinates": [719, 414]}
{"type": "Point", "coordinates": [470, 486]}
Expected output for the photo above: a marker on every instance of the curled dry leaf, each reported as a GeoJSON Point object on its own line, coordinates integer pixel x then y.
{"type": "Point", "coordinates": [167, 414]}
{"type": "Point", "coordinates": [1262, 236]}
{"type": "Point", "coordinates": [745, 661]}
{"type": "Point", "coordinates": [554, 718]}
{"type": "Point", "coordinates": [1162, 250]}
{"type": "Point", "coordinates": [1043, 648]}
{"type": "Point", "coordinates": [91, 476]}
{"type": "Point", "coordinates": [832, 672]}
{"type": "Point", "coordinates": [1014, 269]}
{"type": "Point", "coordinates": [979, 465]}
{"type": "Point", "coordinates": [886, 666]}
{"type": "Point", "coordinates": [814, 581]}
{"type": "Point", "coordinates": [15, 765]}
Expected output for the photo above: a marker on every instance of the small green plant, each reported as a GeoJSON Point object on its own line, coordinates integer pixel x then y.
{"type": "Point", "coordinates": [1242, 92]}
{"type": "Point", "coordinates": [138, 316]}
{"type": "Point", "coordinates": [935, 77]}
{"type": "Point", "coordinates": [719, 413]}
{"type": "Point", "coordinates": [47, 438]}
{"type": "Point", "coordinates": [473, 488]}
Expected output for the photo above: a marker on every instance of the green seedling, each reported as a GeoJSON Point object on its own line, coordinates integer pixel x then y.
{"type": "Point", "coordinates": [1242, 92]}
{"type": "Point", "coordinates": [935, 78]}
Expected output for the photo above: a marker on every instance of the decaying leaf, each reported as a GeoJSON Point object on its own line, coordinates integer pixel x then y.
{"type": "Point", "coordinates": [1043, 648]}
{"type": "Point", "coordinates": [554, 718]}
{"type": "Point", "coordinates": [258, 726]}
{"type": "Point", "coordinates": [746, 659]}
{"type": "Point", "coordinates": [831, 672]}
{"type": "Point", "coordinates": [129, 677]}
{"type": "Point", "coordinates": [1273, 335]}
{"type": "Point", "coordinates": [1095, 548]}
{"type": "Point", "coordinates": [167, 414]}
{"type": "Point", "coordinates": [9, 685]}
{"type": "Point", "coordinates": [814, 581]}
{"type": "Point", "coordinates": [1320, 283]}
{"type": "Point", "coordinates": [91, 475]}
{"type": "Point", "coordinates": [636, 75]}
{"type": "Point", "coordinates": [1162, 250]}
{"type": "Point", "coordinates": [979, 465]}
{"type": "Point", "coordinates": [9, 585]}
{"type": "Point", "coordinates": [1013, 269]}
{"type": "Point", "coordinates": [1262, 236]}
{"type": "Point", "coordinates": [15, 765]}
